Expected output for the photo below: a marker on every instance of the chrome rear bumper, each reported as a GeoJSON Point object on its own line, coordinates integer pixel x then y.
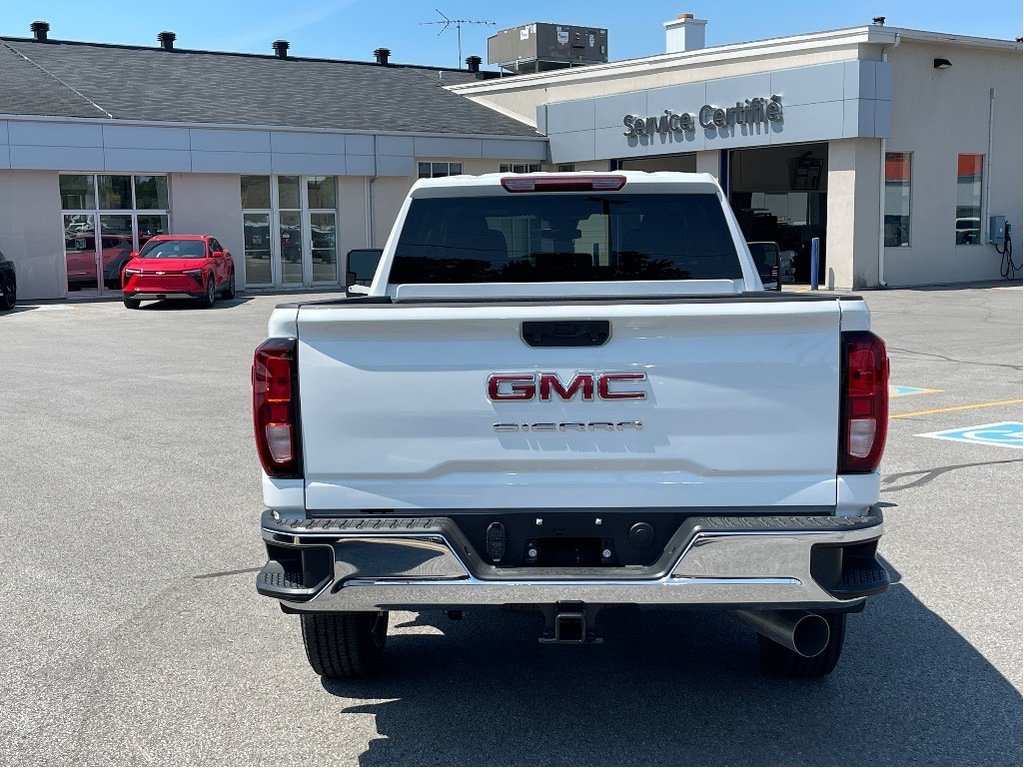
{"type": "Point", "coordinates": [364, 564]}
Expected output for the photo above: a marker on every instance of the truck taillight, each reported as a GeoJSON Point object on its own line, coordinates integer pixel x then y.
{"type": "Point", "coordinates": [864, 405]}
{"type": "Point", "coordinates": [275, 407]}
{"type": "Point", "coordinates": [555, 183]}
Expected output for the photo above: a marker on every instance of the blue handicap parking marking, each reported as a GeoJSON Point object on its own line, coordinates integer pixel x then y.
{"type": "Point", "coordinates": [901, 391]}
{"type": "Point", "coordinates": [1008, 434]}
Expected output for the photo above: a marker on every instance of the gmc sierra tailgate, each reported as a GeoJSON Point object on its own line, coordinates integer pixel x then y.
{"type": "Point", "coordinates": [729, 402]}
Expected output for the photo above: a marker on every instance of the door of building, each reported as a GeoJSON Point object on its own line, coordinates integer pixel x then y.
{"type": "Point", "coordinates": [780, 195]}
{"type": "Point", "coordinates": [105, 218]}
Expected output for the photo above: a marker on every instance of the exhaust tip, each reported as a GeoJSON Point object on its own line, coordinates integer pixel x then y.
{"type": "Point", "coordinates": [810, 635]}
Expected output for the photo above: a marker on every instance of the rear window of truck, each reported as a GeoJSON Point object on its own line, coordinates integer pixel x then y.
{"type": "Point", "coordinates": [565, 238]}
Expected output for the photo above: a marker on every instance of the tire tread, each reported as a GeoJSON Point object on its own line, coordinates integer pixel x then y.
{"type": "Point", "coordinates": [343, 645]}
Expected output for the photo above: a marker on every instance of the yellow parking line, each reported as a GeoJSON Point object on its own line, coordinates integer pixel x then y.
{"type": "Point", "coordinates": [955, 408]}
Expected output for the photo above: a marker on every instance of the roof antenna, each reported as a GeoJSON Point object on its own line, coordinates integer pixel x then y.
{"type": "Point", "coordinates": [445, 22]}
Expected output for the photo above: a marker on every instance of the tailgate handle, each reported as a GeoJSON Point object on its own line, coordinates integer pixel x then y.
{"type": "Point", "coordinates": [566, 333]}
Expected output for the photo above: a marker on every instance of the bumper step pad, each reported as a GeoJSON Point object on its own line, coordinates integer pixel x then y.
{"type": "Point", "coordinates": [274, 581]}
{"type": "Point", "coordinates": [861, 578]}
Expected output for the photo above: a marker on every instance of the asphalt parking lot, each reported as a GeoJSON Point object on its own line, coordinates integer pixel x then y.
{"type": "Point", "coordinates": [132, 632]}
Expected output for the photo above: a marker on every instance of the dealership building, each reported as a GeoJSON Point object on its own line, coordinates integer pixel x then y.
{"type": "Point", "coordinates": [891, 147]}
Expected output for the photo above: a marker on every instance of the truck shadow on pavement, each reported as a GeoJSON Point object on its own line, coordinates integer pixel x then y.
{"type": "Point", "coordinates": [686, 688]}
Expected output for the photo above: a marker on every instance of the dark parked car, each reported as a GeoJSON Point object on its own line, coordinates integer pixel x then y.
{"type": "Point", "coordinates": [8, 283]}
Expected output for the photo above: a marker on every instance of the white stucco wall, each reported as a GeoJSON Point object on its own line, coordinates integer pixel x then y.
{"type": "Point", "coordinates": [938, 114]}
{"type": "Point", "coordinates": [710, 161]}
{"type": "Point", "coordinates": [851, 239]}
{"type": "Point", "coordinates": [210, 203]}
{"type": "Point", "coordinates": [31, 233]}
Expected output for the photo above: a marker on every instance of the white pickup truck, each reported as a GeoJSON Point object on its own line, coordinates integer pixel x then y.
{"type": "Point", "coordinates": [566, 392]}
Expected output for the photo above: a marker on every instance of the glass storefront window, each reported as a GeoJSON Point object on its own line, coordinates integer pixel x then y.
{"type": "Point", "coordinates": [129, 210]}
{"type": "Point", "coordinates": [291, 247]}
{"type": "Point", "coordinates": [116, 242]}
{"type": "Point", "coordinates": [291, 236]}
{"type": "Point", "coordinates": [968, 199]}
{"type": "Point", "coordinates": [150, 226]}
{"type": "Point", "coordinates": [897, 199]}
{"type": "Point", "coordinates": [151, 193]}
{"type": "Point", "coordinates": [288, 192]}
{"type": "Point", "coordinates": [321, 191]}
{"type": "Point", "coordinates": [77, 192]}
{"type": "Point", "coordinates": [115, 192]}
{"type": "Point", "coordinates": [80, 251]}
{"type": "Point", "coordinates": [257, 248]}
{"type": "Point", "coordinates": [256, 192]}
{"type": "Point", "coordinates": [324, 233]}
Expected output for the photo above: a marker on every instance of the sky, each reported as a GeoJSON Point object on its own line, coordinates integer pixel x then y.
{"type": "Point", "coordinates": [352, 29]}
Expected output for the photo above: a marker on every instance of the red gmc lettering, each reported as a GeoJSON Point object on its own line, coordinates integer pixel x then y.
{"type": "Point", "coordinates": [581, 381]}
{"type": "Point", "coordinates": [605, 381]}
{"type": "Point", "coordinates": [547, 386]}
{"type": "Point", "coordinates": [520, 387]}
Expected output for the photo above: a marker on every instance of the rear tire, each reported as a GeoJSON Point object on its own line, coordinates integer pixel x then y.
{"type": "Point", "coordinates": [8, 293]}
{"type": "Point", "coordinates": [345, 646]}
{"type": "Point", "coordinates": [780, 660]}
{"type": "Point", "coordinates": [132, 303]}
{"type": "Point", "coordinates": [229, 291]}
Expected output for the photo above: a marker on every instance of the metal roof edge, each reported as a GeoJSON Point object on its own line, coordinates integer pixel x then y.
{"type": "Point", "coordinates": [244, 127]}
{"type": "Point", "coordinates": [920, 35]}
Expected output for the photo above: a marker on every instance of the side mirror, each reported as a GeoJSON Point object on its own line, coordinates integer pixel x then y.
{"type": "Point", "coordinates": [360, 266]}
{"type": "Point", "coordinates": [216, 254]}
{"type": "Point", "coordinates": [133, 255]}
{"type": "Point", "coordinates": [352, 288]}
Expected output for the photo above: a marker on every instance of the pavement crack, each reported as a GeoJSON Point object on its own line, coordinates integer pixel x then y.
{"type": "Point", "coordinates": [947, 359]}
{"type": "Point", "coordinates": [218, 574]}
{"type": "Point", "coordinates": [927, 475]}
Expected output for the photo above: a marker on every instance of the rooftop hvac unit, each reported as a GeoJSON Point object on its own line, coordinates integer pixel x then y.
{"type": "Point", "coordinates": [543, 47]}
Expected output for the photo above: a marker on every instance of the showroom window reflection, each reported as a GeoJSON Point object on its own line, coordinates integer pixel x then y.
{"type": "Point", "coordinates": [290, 225]}
{"type": "Point", "coordinates": [897, 199]}
{"type": "Point", "coordinates": [105, 218]}
{"type": "Point", "coordinates": [969, 171]}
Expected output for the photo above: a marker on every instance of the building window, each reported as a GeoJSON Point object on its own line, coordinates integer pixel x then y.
{"type": "Point", "coordinates": [289, 219]}
{"type": "Point", "coordinates": [897, 199]}
{"type": "Point", "coordinates": [437, 170]}
{"type": "Point", "coordinates": [106, 217]}
{"type": "Point", "coordinates": [290, 230]}
{"type": "Point", "coordinates": [321, 202]}
{"type": "Point", "coordinates": [566, 167]}
{"type": "Point", "coordinates": [968, 199]}
{"type": "Point", "coordinates": [519, 168]}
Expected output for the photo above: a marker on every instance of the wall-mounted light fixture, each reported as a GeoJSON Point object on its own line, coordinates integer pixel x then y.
{"type": "Point", "coordinates": [942, 63]}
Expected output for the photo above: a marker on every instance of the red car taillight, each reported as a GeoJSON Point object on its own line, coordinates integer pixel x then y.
{"type": "Point", "coordinates": [275, 408]}
{"type": "Point", "coordinates": [864, 405]}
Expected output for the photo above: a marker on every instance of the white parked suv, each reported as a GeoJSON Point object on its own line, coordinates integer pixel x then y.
{"type": "Point", "coordinates": [567, 392]}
